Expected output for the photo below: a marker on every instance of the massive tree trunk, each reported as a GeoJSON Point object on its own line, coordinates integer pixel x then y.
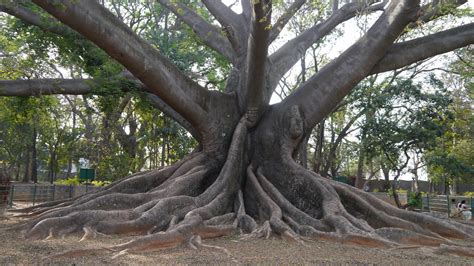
{"type": "Point", "coordinates": [244, 175]}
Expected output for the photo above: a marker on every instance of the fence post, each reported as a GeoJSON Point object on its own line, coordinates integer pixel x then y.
{"type": "Point", "coordinates": [12, 189]}
{"type": "Point", "coordinates": [449, 204]}
{"type": "Point", "coordinates": [428, 202]}
{"type": "Point", "coordinates": [472, 205]}
{"type": "Point", "coordinates": [54, 191]}
{"type": "Point", "coordinates": [421, 207]}
{"type": "Point", "coordinates": [86, 187]}
{"type": "Point", "coordinates": [34, 195]}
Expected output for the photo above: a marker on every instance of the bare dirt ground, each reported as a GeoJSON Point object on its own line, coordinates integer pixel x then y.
{"type": "Point", "coordinates": [15, 250]}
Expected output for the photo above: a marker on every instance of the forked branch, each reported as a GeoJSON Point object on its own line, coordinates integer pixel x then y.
{"type": "Point", "coordinates": [321, 94]}
{"type": "Point", "coordinates": [290, 53]}
{"type": "Point", "coordinates": [233, 24]}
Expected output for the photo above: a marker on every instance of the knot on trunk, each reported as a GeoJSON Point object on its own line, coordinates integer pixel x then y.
{"type": "Point", "coordinates": [296, 123]}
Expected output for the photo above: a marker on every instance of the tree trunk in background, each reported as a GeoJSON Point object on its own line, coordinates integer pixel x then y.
{"type": "Point", "coordinates": [386, 175]}
{"type": "Point", "coordinates": [34, 159]}
{"type": "Point", "coordinates": [360, 168]}
{"type": "Point", "coordinates": [396, 198]}
{"type": "Point", "coordinates": [27, 172]}
{"type": "Point", "coordinates": [318, 152]}
{"type": "Point", "coordinates": [163, 150]}
{"type": "Point", "coordinates": [453, 187]}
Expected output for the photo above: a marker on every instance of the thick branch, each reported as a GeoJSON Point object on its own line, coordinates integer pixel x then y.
{"type": "Point", "coordinates": [232, 23]}
{"type": "Point", "coordinates": [253, 92]}
{"type": "Point", "coordinates": [39, 87]}
{"type": "Point", "coordinates": [436, 9]}
{"type": "Point", "coordinates": [406, 53]}
{"type": "Point", "coordinates": [167, 110]}
{"type": "Point", "coordinates": [246, 9]}
{"type": "Point", "coordinates": [32, 18]}
{"type": "Point", "coordinates": [283, 20]}
{"type": "Point", "coordinates": [289, 54]}
{"type": "Point", "coordinates": [80, 87]}
{"type": "Point", "coordinates": [211, 35]}
{"type": "Point", "coordinates": [163, 78]}
{"type": "Point", "coordinates": [321, 94]}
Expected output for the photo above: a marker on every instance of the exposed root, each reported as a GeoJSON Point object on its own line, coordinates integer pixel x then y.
{"type": "Point", "coordinates": [200, 198]}
{"type": "Point", "coordinates": [455, 250]}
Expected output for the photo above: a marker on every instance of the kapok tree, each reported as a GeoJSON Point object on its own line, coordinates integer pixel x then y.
{"type": "Point", "coordinates": [244, 174]}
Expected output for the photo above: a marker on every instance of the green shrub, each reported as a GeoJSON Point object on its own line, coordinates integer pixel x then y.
{"type": "Point", "coordinates": [376, 190]}
{"type": "Point", "coordinates": [70, 181]}
{"type": "Point", "coordinates": [75, 181]}
{"type": "Point", "coordinates": [469, 194]}
{"type": "Point", "coordinates": [99, 183]}
{"type": "Point", "coordinates": [414, 200]}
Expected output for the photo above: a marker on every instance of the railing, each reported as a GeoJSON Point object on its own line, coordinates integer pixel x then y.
{"type": "Point", "coordinates": [38, 193]}
{"type": "Point", "coordinates": [439, 204]}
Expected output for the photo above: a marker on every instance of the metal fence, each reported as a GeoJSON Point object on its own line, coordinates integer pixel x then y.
{"type": "Point", "coordinates": [38, 193]}
{"type": "Point", "coordinates": [439, 204]}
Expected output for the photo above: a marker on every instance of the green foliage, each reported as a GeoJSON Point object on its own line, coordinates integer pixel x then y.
{"type": "Point", "coordinates": [453, 156]}
{"type": "Point", "coordinates": [469, 194]}
{"type": "Point", "coordinates": [403, 117]}
{"type": "Point", "coordinates": [98, 183]}
{"type": "Point", "coordinates": [415, 200]}
{"type": "Point", "coordinates": [75, 181]}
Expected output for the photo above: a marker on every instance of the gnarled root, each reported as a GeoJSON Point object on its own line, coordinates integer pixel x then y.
{"type": "Point", "coordinates": [200, 198]}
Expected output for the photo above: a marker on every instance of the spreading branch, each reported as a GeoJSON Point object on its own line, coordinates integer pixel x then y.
{"type": "Point", "coordinates": [211, 35]}
{"type": "Point", "coordinates": [405, 53]}
{"type": "Point", "coordinates": [71, 87]}
{"type": "Point", "coordinates": [39, 87]}
{"type": "Point", "coordinates": [146, 63]}
{"type": "Point", "coordinates": [33, 18]}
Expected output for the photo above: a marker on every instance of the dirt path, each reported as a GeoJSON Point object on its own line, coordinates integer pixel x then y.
{"type": "Point", "coordinates": [14, 249]}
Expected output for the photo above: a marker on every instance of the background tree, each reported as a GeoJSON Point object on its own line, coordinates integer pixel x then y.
{"type": "Point", "coordinates": [451, 161]}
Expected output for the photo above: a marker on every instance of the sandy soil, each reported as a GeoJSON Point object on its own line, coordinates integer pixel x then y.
{"type": "Point", "coordinates": [14, 249]}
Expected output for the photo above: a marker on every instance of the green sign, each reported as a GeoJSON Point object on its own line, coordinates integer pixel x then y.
{"type": "Point", "coordinates": [87, 174]}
